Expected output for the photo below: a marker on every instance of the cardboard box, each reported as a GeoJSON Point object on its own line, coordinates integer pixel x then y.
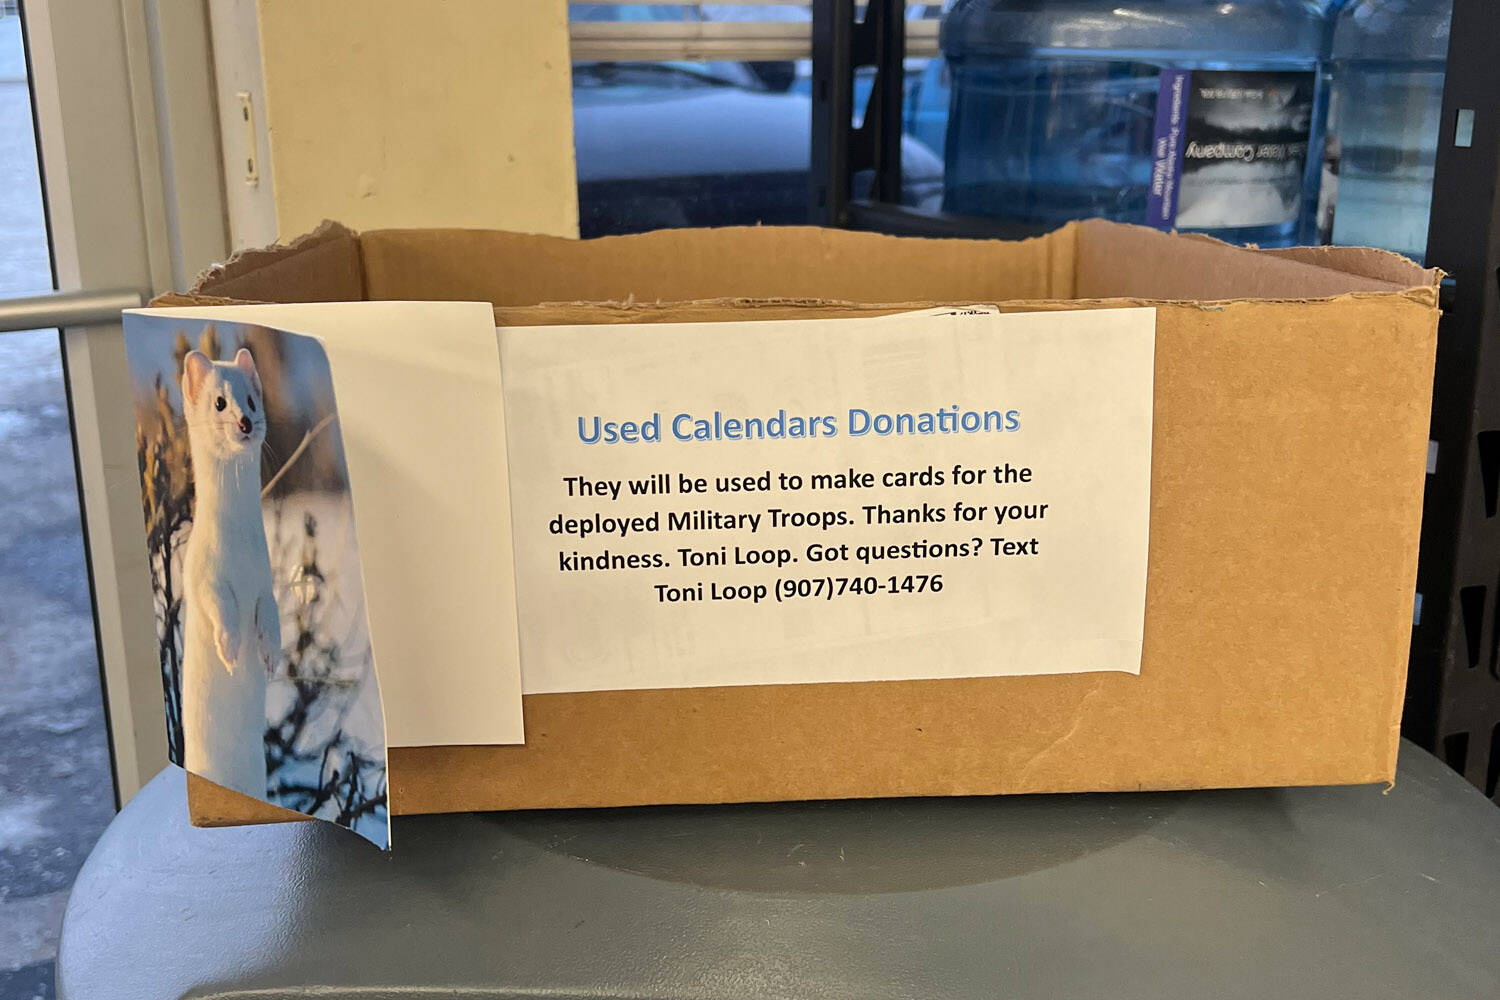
{"type": "Point", "coordinates": [1290, 444]}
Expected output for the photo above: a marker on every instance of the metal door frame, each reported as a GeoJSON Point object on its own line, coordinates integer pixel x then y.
{"type": "Point", "coordinates": [127, 134]}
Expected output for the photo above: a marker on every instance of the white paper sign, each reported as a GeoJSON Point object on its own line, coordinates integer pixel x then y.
{"type": "Point", "coordinates": [917, 496]}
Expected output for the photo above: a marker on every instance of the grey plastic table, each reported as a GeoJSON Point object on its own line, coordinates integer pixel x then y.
{"type": "Point", "coordinates": [1327, 893]}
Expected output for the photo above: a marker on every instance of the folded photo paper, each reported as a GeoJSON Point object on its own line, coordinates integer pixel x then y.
{"type": "Point", "coordinates": [267, 665]}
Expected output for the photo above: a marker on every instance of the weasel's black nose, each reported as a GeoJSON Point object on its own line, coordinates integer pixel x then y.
{"type": "Point", "coordinates": [245, 425]}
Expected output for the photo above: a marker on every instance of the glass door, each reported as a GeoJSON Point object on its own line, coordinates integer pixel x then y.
{"type": "Point", "coordinates": [91, 193]}
{"type": "Point", "coordinates": [56, 786]}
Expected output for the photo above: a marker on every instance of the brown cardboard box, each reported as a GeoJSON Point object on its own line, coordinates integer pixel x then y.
{"type": "Point", "coordinates": [1290, 439]}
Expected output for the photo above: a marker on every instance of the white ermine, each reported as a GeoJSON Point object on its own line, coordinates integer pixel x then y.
{"type": "Point", "coordinates": [232, 632]}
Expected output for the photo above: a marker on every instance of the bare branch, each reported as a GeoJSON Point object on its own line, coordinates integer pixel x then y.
{"type": "Point", "coordinates": [297, 452]}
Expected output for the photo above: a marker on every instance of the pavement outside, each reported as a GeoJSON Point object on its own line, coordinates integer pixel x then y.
{"type": "Point", "coordinates": [56, 791]}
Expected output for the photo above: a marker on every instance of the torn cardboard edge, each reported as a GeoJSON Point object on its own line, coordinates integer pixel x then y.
{"type": "Point", "coordinates": [1091, 260]}
{"type": "Point", "coordinates": [1292, 389]}
{"type": "Point", "coordinates": [321, 266]}
{"type": "Point", "coordinates": [607, 313]}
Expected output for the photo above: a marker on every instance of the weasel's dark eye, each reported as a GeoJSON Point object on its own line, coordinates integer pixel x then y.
{"type": "Point", "coordinates": [251, 401]}
{"type": "Point", "coordinates": [219, 403]}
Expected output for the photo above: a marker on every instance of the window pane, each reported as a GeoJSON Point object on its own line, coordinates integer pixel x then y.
{"type": "Point", "coordinates": [56, 789]}
{"type": "Point", "coordinates": [690, 144]}
{"type": "Point", "coordinates": [669, 143]}
{"type": "Point", "coordinates": [664, 144]}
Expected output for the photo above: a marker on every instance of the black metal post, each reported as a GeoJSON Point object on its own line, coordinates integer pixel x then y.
{"type": "Point", "coordinates": [832, 109]}
{"type": "Point", "coordinates": [842, 45]}
{"type": "Point", "coordinates": [886, 36]}
{"type": "Point", "coordinates": [1453, 687]}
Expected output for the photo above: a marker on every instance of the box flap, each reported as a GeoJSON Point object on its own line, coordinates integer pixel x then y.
{"type": "Point", "coordinates": [1382, 265]}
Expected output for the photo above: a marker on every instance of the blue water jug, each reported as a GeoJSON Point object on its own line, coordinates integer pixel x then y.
{"type": "Point", "coordinates": [1385, 109]}
{"type": "Point", "coordinates": [1180, 114]}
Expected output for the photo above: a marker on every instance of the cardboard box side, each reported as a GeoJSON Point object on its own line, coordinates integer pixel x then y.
{"type": "Point", "coordinates": [1382, 265]}
{"type": "Point", "coordinates": [1416, 452]}
{"type": "Point", "coordinates": [323, 266]}
{"type": "Point", "coordinates": [686, 264]}
{"type": "Point", "coordinates": [1288, 466]}
{"type": "Point", "coordinates": [1116, 261]}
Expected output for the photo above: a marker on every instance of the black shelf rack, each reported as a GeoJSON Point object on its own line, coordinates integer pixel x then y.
{"type": "Point", "coordinates": [1453, 680]}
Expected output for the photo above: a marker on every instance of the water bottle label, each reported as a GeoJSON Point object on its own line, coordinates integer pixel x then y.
{"type": "Point", "coordinates": [1229, 148]}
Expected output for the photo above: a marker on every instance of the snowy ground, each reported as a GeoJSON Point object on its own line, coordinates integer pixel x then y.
{"type": "Point", "coordinates": [55, 788]}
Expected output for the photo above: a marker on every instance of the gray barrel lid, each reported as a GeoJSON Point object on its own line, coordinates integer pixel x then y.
{"type": "Point", "coordinates": [1285, 893]}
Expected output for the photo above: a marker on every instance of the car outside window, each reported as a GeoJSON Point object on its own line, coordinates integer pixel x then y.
{"type": "Point", "coordinates": [700, 115]}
